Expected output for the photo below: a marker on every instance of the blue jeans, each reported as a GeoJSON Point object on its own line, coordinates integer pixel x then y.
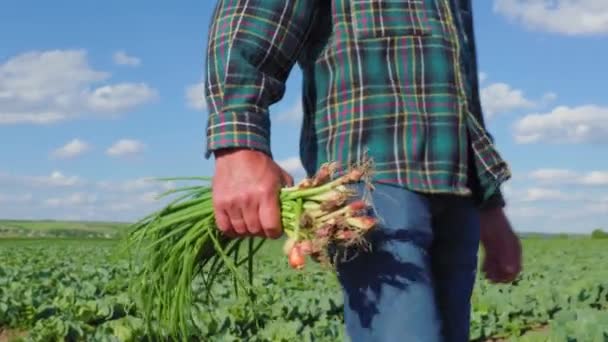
{"type": "Point", "coordinates": [416, 283]}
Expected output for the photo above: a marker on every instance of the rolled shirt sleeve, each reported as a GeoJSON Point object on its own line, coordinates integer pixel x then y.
{"type": "Point", "coordinates": [494, 198]}
{"type": "Point", "coordinates": [252, 47]}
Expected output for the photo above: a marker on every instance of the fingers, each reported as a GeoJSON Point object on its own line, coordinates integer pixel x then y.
{"type": "Point", "coordinates": [222, 220]}
{"type": "Point", "coordinates": [497, 271]}
{"type": "Point", "coordinates": [245, 215]}
{"type": "Point", "coordinates": [509, 273]}
{"type": "Point", "coordinates": [490, 270]}
{"type": "Point", "coordinates": [503, 278]}
{"type": "Point", "coordinates": [252, 219]}
{"type": "Point", "coordinates": [270, 216]}
{"type": "Point", "coordinates": [287, 179]}
{"type": "Point", "coordinates": [246, 205]}
{"type": "Point", "coordinates": [503, 257]}
{"type": "Point", "coordinates": [236, 219]}
{"type": "Point", "coordinates": [511, 266]}
{"type": "Point", "coordinates": [228, 217]}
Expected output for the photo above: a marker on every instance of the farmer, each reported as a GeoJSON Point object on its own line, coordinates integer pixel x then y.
{"type": "Point", "coordinates": [393, 80]}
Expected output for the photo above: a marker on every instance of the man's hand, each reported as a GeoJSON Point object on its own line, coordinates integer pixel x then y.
{"type": "Point", "coordinates": [503, 254]}
{"type": "Point", "coordinates": [246, 189]}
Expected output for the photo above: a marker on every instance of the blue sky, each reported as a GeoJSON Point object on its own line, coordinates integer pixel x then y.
{"type": "Point", "coordinates": [96, 97]}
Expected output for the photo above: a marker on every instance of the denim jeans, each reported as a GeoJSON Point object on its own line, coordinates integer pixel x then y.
{"type": "Point", "coordinates": [415, 284]}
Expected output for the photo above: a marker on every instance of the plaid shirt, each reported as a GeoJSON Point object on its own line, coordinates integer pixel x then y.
{"type": "Point", "coordinates": [395, 80]}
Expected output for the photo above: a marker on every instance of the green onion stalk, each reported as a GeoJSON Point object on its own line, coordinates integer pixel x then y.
{"type": "Point", "coordinates": [176, 244]}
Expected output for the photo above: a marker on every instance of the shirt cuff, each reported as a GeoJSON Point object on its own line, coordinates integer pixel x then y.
{"type": "Point", "coordinates": [238, 130]}
{"type": "Point", "coordinates": [496, 200]}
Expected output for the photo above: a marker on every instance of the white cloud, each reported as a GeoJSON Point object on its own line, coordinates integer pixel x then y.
{"type": "Point", "coordinates": [600, 207]}
{"type": "Point", "coordinates": [119, 97]}
{"type": "Point", "coordinates": [555, 209]}
{"type": "Point", "coordinates": [55, 179]}
{"type": "Point", "coordinates": [125, 147]}
{"type": "Point", "coordinates": [293, 114]}
{"type": "Point", "coordinates": [558, 200]}
{"type": "Point", "coordinates": [195, 96]}
{"type": "Point", "coordinates": [544, 194]}
{"type": "Point", "coordinates": [553, 175]}
{"type": "Point", "coordinates": [128, 185]}
{"type": "Point", "coordinates": [549, 97]}
{"type": "Point", "coordinates": [501, 97]}
{"type": "Point", "coordinates": [545, 207]}
{"type": "Point", "coordinates": [564, 124]}
{"type": "Point", "coordinates": [44, 87]}
{"type": "Point", "coordinates": [133, 197]}
{"type": "Point", "coordinates": [482, 77]}
{"type": "Point", "coordinates": [134, 185]}
{"type": "Point", "coordinates": [524, 212]}
{"type": "Point", "coordinates": [58, 196]}
{"type": "Point", "coordinates": [122, 58]}
{"type": "Point", "coordinates": [15, 199]}
{"type": "Point", "coordinates": [150, 196]}
{"type": "Point", "coordinates": [595, 178]}
{"type": "Point", "coordinates": [75, 199]}
{"type": "Point", "coordinates": [507, 190]}
{"type": "Point", "coordinates": [38, 118]}
{"type": "Point", "coordinates": [569, 17]}
{"type": "Point", "coordinates": [72, 149]}
{"type": "Point", "coordinates": [120, 206]}
{"type": "Point", "coordinates": [293, 166]}
{"type": "Point", "coordinates": [126, 206]}
{"type": "Point", "coordinates": [564, 176]}
{"type": "Point", "coordinates": [597, 208]}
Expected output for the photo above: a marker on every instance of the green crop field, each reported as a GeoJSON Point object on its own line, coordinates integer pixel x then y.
{"type": "Point", "coordinates": [75, 290]}
{"type": "Point", "coordinates": [50, 228]}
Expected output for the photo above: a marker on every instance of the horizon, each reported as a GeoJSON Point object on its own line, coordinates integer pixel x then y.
{"type": "Point", "coordinates": [89, 115]}
{"type": "Point", "coordinates": [523, 234]}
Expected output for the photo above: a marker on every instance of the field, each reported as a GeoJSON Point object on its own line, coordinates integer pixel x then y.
{"type": "Point", "coordinates": [65, 229]}
{"type": "Point", "coordinates": [75, 290]}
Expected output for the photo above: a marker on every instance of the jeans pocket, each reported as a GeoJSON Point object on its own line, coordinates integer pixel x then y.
{"type": "Point", "coordinates": [375, 19]}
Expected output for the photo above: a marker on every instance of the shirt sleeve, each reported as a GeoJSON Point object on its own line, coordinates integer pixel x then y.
{"type": "Point", "coordinates": [496, 199]}
{"type": "Point", "coordinates": [252, 47]}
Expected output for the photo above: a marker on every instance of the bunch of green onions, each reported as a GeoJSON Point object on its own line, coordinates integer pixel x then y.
{"type": "Point", "coordinates": [181, 241]}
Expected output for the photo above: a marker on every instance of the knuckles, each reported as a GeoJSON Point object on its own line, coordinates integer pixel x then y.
{"type": "Point", "coordinates": [264, 194]}
{"type": "Point", "coordinates": [244, 198]}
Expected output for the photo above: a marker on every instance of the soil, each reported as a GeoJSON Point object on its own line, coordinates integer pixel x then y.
{"type": "Point", "coordinates": [8, 335]}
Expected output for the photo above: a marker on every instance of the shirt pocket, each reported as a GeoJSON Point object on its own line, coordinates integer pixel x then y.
{"type": "Point", "coordinates": [374, 19]}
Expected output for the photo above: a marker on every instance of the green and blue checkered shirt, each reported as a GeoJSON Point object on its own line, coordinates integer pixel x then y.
{"type": "Point", "coordinates": [394, 80]}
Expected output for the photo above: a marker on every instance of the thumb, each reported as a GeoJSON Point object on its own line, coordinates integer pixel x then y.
{"type": "Point", "coordinates": [286, 178]}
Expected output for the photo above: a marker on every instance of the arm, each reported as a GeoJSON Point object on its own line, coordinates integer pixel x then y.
{"type": "Point", "coordinates": [252, 47]}
{"type": "Point", "coordinates": [503, 254]}
{"type": "Point", "coordinates": [496, 200]}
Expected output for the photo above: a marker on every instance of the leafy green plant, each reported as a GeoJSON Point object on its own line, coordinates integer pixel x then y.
{"type": "Point", "coordinates": [599, 234]}
{"type": "Point", "coordinates": [55, 289]}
